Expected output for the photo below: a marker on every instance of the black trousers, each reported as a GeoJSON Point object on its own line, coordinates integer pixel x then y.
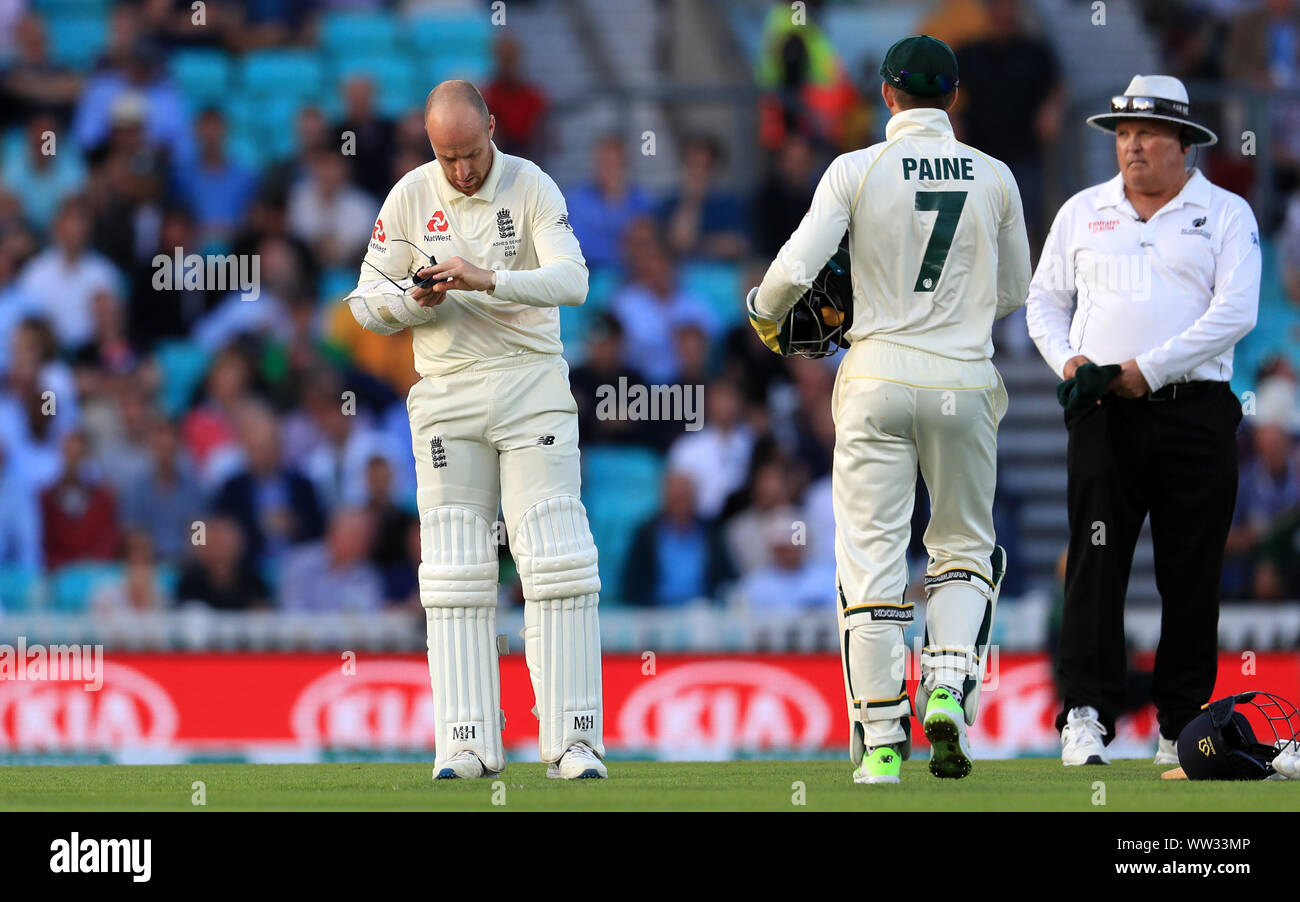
{"type": "Point", "coordinates": [1175, 459]}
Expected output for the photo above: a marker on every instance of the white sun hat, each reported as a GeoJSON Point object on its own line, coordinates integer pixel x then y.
{"type": "Point", "coordinates": [1153, 97]}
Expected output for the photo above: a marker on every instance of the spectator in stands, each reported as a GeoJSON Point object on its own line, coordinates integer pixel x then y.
{"type": "Point", "coordinates": [518, 105]}
{"type": "Point", "coordinates": [1011, 101]}
{"type": "Point", "coordinates": [372, 136]}
{"type": "Point", "coordinates": [336, 574]}
{"type": "Point", "coordinates": [40, 172]}
{"type": "Point", "coordinates": [806, 87]}
{"type": "Point", "coordinates": [274, 504]}
{"type": "Point", "coordinates": [33, 419]}
{"type": "Point", "coordinates": [331, 214]}
{"type": "Point", "coordinates": [392, 550]}
{"type": "Point", "coordinates": [208, 429]}
{"type": "Point", "coordinates": [256, 24]}
{"type": "Point", "coordinates": [140, 81]}
{"type": "Point", "coordinates": [216, 190]}
{"type": "Point", "coordinates": [1289, 249]}
{"type": "Point", "coordinates": [109, 351]}
{"type": "Point", "coordinates": [1263, 47]}
{"type": "Point", "coordinates": [78, 513]}
{"type": "Point", "coordinates": [784, 195]}
{"type": "Point", "coordinates": [652, 305]}
{"type": "Point", "coordinates": [139, 588]}
{"type": "Point", "coordinates": [127, 180]}
{"type": "Point", "coordinates": [602, 210]}
{"type": "Point", "coordinates": [262, 312]}
{"type": "Point", "coordinates": [791, 583]}
{"type": "Point", "coordinates": [772, 489]}
{"type": "Point", "coordinates": [60, 283]}
{"type": "Point", "coordinates": [156, 314]}
{"type": "Point", "coordinates": [220, 575]}
{"type": "Point", "coordinates": [32, 84]}
{"type": "Point", "coordinates": [342, 443]}
{"type": "Point", "coordinates": [693, 348]}
{"type": "Point", "coordinates": [703, 219]}
{"type": "Point", "coordinates": [20, 516]}
{"type": "Point", "coordinates": [311, 132]}
{"type": "Point", "coordinates": [676, 556]}
{"type": "Point", "coordinates": [162, 501]}
{"type": "Point", "coordinates": [597, 378]}
{"type": "Point", "coordinates": [716, 457]}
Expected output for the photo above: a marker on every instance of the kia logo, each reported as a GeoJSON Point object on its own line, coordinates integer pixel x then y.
{"type": "Point", "coordinates": [129, 711]}
{"type": "Point", "coordinates": [386, 704]}
{"type": "Point", "coordinates": [710, 709]}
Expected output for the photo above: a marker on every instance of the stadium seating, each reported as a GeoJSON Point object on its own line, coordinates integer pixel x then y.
{"type": "Point", "coordinates": [397, 88]}
{"type": "Point", "coordinates": [72, 588]}
{"type": "Point", "coordinates": [183, 366]}
{"type": "Point", "coordinates": [621, 489]}
{"type": "Point", "coordinates": [364, 32]}
{"type": "Point", "coordinates": [203, 76]}
{"type": "Point", "coordinates": [719, 285]}
{"type": "Point", "coordinates": [21, 589]}
{"type": "Point", "coordinates": [77, 40]}
{"type": "Point", "coordinates": [277, 73]}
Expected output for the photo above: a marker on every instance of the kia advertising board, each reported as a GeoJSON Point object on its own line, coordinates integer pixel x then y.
{"type": "Point", "coordinates": [309, 707]}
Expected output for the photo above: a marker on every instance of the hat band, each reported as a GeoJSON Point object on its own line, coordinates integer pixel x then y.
{"type": "Point", "coordinates": [1128, 104]}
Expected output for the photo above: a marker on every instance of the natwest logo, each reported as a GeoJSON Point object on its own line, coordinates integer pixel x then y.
{"type": "Point", "coordinates": [385, 704]}
{"type": "Point", "coordinates": [710, 709]}
{"type": "Point", "coordinates": [130, 710]}
{"type": "Point", "coordinates": [438, 223]}
{"type": "Point", "coordinates": [378, 233]}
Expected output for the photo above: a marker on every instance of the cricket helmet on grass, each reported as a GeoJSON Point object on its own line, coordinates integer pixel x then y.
{"type": "Point", "coordinates": [1221, 743]}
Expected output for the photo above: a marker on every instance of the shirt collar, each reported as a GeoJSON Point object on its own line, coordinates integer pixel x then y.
{"type": "Point", "coordinates": [923, 119]}
{"type": "Point", "coordinates": [487, 192]}
{"type": "Point", "coordinates": [1196, 192]}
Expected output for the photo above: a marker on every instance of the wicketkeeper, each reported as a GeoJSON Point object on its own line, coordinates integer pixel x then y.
{"type": "Point", "coordinates": [492, 423]}
{"type": "Point", "coordinates": [938, 250]}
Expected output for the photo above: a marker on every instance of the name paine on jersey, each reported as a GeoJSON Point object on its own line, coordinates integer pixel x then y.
{"type": "Point", "coordinates": [938, 168]}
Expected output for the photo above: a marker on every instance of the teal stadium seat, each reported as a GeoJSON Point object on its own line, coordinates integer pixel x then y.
{"type": "Point", "coordinates": [21, 589]}
{"type": "Point", "coordinates": [719, 284]}
{"type": "Point", "coordinates": [471, 65]}
{"type": "Point", "coordinates": [397, 89]}
{"type": "Point", "coordinates": [451, 33]}
{"type": "Point", "coordinates": [53, 8]}
{"type": "Point", "coordinates": [204, 76]}
{"type": "Point", "coordinates": [183, 366]}
{"type": "Point", "coordinates": [77, 40]}
{"type": "Point", "coordinates": [362, 32]}
{"type": "Point", "coordinates": [621, 489]}
{"type": "Point", "coordinates": [72, 588]}
{"type": "Point", "coordinates": [282, 73]}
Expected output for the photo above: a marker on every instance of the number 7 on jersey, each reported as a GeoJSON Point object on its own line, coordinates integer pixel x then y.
{"type": "Point", "coordinates": [948, 205]}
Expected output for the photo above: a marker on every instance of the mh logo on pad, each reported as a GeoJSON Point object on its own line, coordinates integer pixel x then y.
{"type": "Point", "coordinates": [463, 732]}
{"type": "Point", "coordinates": [584, 721]}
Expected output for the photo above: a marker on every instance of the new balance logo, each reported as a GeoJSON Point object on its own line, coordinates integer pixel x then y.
{"type": "Point", "coordinates": [584, 721]}
{"type": "Point", "coordinates": [546, 440]}
{"type": "Point", "coordinates": [436, 453]}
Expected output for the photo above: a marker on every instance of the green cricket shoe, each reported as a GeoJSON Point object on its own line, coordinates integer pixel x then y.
{"type": "Point", "coordinates": [945, 727]}
{"type": "Point", "coordinates": [880, 765]}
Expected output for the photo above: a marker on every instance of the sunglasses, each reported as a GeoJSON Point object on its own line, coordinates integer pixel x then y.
{"type": "Point", "coordinates": [1125, 104]}
{"type": "Point", "coordinates": [415, 283]}
{"type": "Point", "coordinates": [920, 82]}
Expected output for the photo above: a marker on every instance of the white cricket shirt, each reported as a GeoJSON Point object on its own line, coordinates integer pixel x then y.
{"type": "Point", "coordinates": [936, 237]}
{"type": "Point", "coordinates": [518, 224]}
{"type": "Point", "coordinates": [1176, 293]}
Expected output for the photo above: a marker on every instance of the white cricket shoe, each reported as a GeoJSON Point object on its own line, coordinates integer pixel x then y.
{"type": "Point", "coordinates": [1166, 751]}
{"type": "Point", "coordinates": [463, 765]}
{"type": "Point", "coordinates": [1081, 741]}
{"type": "Point", "coordinates": [578, 762]}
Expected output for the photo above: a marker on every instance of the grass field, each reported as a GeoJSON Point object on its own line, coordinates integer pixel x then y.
{"type": "Point", "coordinates": [1025, 785]}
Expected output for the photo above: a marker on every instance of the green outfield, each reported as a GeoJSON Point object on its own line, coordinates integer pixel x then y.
{"type": "Point", "coordinates": [1024, 785]}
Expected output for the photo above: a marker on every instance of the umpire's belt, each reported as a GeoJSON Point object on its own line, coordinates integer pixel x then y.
{"type": "Point", "coordinates": [1186, 391]}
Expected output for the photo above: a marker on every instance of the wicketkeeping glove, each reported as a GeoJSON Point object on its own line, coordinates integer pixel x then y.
{"type": "Point", "coordinates": [771, 331]}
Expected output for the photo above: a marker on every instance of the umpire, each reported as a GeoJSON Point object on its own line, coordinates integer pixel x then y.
{"type": "Point", "coordinates": [1145, 284]}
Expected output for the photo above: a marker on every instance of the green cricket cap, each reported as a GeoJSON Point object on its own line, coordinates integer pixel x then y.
{"type": "Point", "coordinates": [920, 65]}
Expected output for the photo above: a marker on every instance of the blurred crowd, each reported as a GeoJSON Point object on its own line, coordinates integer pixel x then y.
{"type": "Point", "coordinates": [182, 445]}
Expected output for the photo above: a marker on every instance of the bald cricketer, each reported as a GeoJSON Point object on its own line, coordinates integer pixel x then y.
{"type": "Point", "coordinates": [473, 254]}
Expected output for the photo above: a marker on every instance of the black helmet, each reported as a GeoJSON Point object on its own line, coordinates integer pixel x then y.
{"type": "Point", "coordinates": [819, 322]}
{"type": "Point", "coordinates": [1220, 744]}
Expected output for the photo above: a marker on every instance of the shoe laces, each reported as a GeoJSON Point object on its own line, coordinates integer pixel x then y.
{"type": "Point", "coordinates": [1084, 726]}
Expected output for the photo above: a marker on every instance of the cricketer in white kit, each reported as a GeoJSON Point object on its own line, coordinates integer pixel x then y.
{"type": "Point", "coordinates": [939, 250]}
{"type": "Point", "coordinates": [492, 422]}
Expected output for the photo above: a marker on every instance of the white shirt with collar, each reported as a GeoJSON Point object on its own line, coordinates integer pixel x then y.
{"type": "Point", "coordinates": [516, 223]}
{"type": "Point", "coordinates": [1176, 293]}
{"type": "Point", "coordinates": [936, 238]}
